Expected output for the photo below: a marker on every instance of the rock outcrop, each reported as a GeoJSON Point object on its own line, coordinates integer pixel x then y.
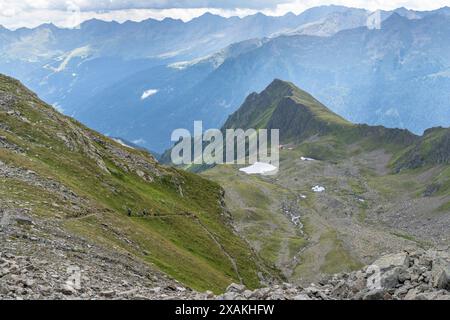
{"type": "Point", "coordinates": [421, 275]}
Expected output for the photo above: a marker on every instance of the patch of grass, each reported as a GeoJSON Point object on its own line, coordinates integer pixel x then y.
{"type": "Point", "coordinates": [338, 259]}
{"type": "Point", "coordinates": [405, 236]}
{"type": "Point", "coordinates": [444, 208]}
{"type": "Point", "coordinates": [254, 203]}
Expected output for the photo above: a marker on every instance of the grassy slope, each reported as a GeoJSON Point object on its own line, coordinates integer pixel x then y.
{"type": "Point", "coordinates": [258, 110]}
{"type": "Point", "coordinates": [255, 205]}
{"type": "Point", "coordinates": [322, 248]}
{"type": "Point", "coordinates": [177, 237]}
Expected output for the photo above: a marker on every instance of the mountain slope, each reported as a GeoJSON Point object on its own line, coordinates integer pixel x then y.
{"type": "Point", "coordinates": [62, 64]}
{"type": "Point", "coordinates": [396, 77]}
{"type": "Point", "coordinates": [284, 106]}
{"type": "Point", "coordinates": [432, 149]}
{"type": "Point", "coordinates": [299, 116]}
{"type": "Point", "coordinates": [338, 199]}
{"type": "Point", "coordinates": [54, 168]}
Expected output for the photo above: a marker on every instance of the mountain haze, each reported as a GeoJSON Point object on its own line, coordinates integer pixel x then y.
{"type": "Point", "coordinates": [100, 72]}
{"type": "Point", "coordinates": [395, 77]}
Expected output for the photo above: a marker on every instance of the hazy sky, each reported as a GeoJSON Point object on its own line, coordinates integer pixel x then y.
{"type": "Point", "coordinates": [68, 13]}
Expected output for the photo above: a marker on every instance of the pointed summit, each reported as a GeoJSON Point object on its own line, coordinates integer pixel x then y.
{"type": "Point", "coordinates": [283, 106]}
{"type": "Point", "coordinates": [395, 19]}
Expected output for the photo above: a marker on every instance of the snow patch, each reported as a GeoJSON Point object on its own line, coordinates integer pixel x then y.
{"type": "Point", "coordinates": [139, 141]}
{"type": "Point", "coordinates": [121, 142]}
{"type": "Point", "coordinates": [57, 107]}
{"type": "Point", "coordinates": [259, 168]}
{"type": "Point", "coordinates": [148, 93]}
{"type": "Point", "coordinates": [318, 189]}
{"type": "Point", "coordinates": [82, 52]}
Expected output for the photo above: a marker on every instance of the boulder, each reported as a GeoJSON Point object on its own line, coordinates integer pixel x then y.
{"type": "Point", "coordinates": [237, 288]}
{"type": "Point", "coordinates": [392, 261]}
{"type": "Point", "coordinates": [302, 297]}
{"type": "Point", "coordinates": [440, 274]}
{"type": "Point", "coordinates": [390, 278]}
{"type": "Point", "coordinates": [377, 294]}
{"type": "Point", "coordinates": [412, 294]}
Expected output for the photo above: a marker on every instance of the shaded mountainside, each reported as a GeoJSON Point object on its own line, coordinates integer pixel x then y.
{"type": "Point", "coordinates": [432, 149]}
{"type": "Point", "coordinates": [53, 168]}
{"type": "Point", "coordinates": [299, 117]}
{"type": "Point", "coordinates": [283, 106]}
{"type": "Point", "coordinates": [302, 119]}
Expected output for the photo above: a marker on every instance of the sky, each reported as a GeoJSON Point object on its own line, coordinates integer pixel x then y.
{"type": "Point", "coordinates": [70, 13]}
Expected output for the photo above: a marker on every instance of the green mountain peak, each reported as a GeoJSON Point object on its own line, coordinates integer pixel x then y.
{"type": "Point", "coordinates": [284, 106]}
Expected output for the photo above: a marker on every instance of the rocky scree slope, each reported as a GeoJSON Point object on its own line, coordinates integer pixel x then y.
{"type": "Point", "coordinates": [54, 170]}
{"type": "Point", "coordinates": [413, 275]}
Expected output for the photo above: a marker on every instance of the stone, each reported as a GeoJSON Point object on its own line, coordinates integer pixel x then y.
{"type": "Point", "coordinates": [247, 294]}
{"type": "Point", "coordinates": [4, 290]}
{"type": "Point", "coordinates": [392, 261]}
{"type": "Point", "coordinates": [440, 274]}
{"type": "Point", "coordinates": [24, 220]}
{"type": "Point", "coordinates": [404, 276]}
{"type": "Point", "coordinates": [68, 290]}
{"type": "Point", "coordinates": [302, 297]}
{"type": "Point", "coordinates": [390, 278]}
{"type": "Point", "coordinates": [229, 296]}
{"type": "Point", "coordinates": [108, 293]}
{"type": "Point", "coordinates": [377, 294]}
{"type": "Point", "coordinates": [237, 288]}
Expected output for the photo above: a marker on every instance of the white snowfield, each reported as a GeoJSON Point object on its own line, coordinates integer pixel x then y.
{"type": "Point", "coordinates": [82, 52]}
{"type": "Point", "coordinates": [259, 168]}
{"type": "Point", "coordinates": [307, 159]}
{"type": "Point", "coordinates": [318, 189]}
{"type": "Point", "coordinates": [148, 93]}
{"type": "Point", "coordinates": [122, 143]}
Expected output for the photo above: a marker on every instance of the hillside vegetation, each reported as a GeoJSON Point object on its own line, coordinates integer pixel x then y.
{"type": "Point", "coordinates": [52, 167]}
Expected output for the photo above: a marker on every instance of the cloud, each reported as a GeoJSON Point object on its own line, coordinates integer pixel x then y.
{"type": "Point", "coordinates": [69, 13]}
{"type": "Point", "coordinates": [100, 5]}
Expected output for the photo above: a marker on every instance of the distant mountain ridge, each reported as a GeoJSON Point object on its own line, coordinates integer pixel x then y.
{"type": "Point", "coordinates": [391, 77]}
{"type": "Point", "coordinates": [283, 106]}
{"type": "Point", "coordinates": [300, 117]}
{"type": "Point", "coordinates": [432, 149]}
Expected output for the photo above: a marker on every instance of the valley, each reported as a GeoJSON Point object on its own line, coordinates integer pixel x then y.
{"type": "Point", "coordinates": [106, 195]}
{"type": "Point", "coordinates": [345, 194]}
{"type": "Point", "coordinates": [366, 209]}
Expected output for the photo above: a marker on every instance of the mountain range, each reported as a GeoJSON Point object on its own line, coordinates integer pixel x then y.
{"type": "Point", "coordinates": [344, 195]}
{"type": "Point", "coordinates": [141, 80]}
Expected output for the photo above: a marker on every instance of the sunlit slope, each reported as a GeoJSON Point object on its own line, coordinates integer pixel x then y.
{"type": "Point", "coordinates": [58, 169]}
